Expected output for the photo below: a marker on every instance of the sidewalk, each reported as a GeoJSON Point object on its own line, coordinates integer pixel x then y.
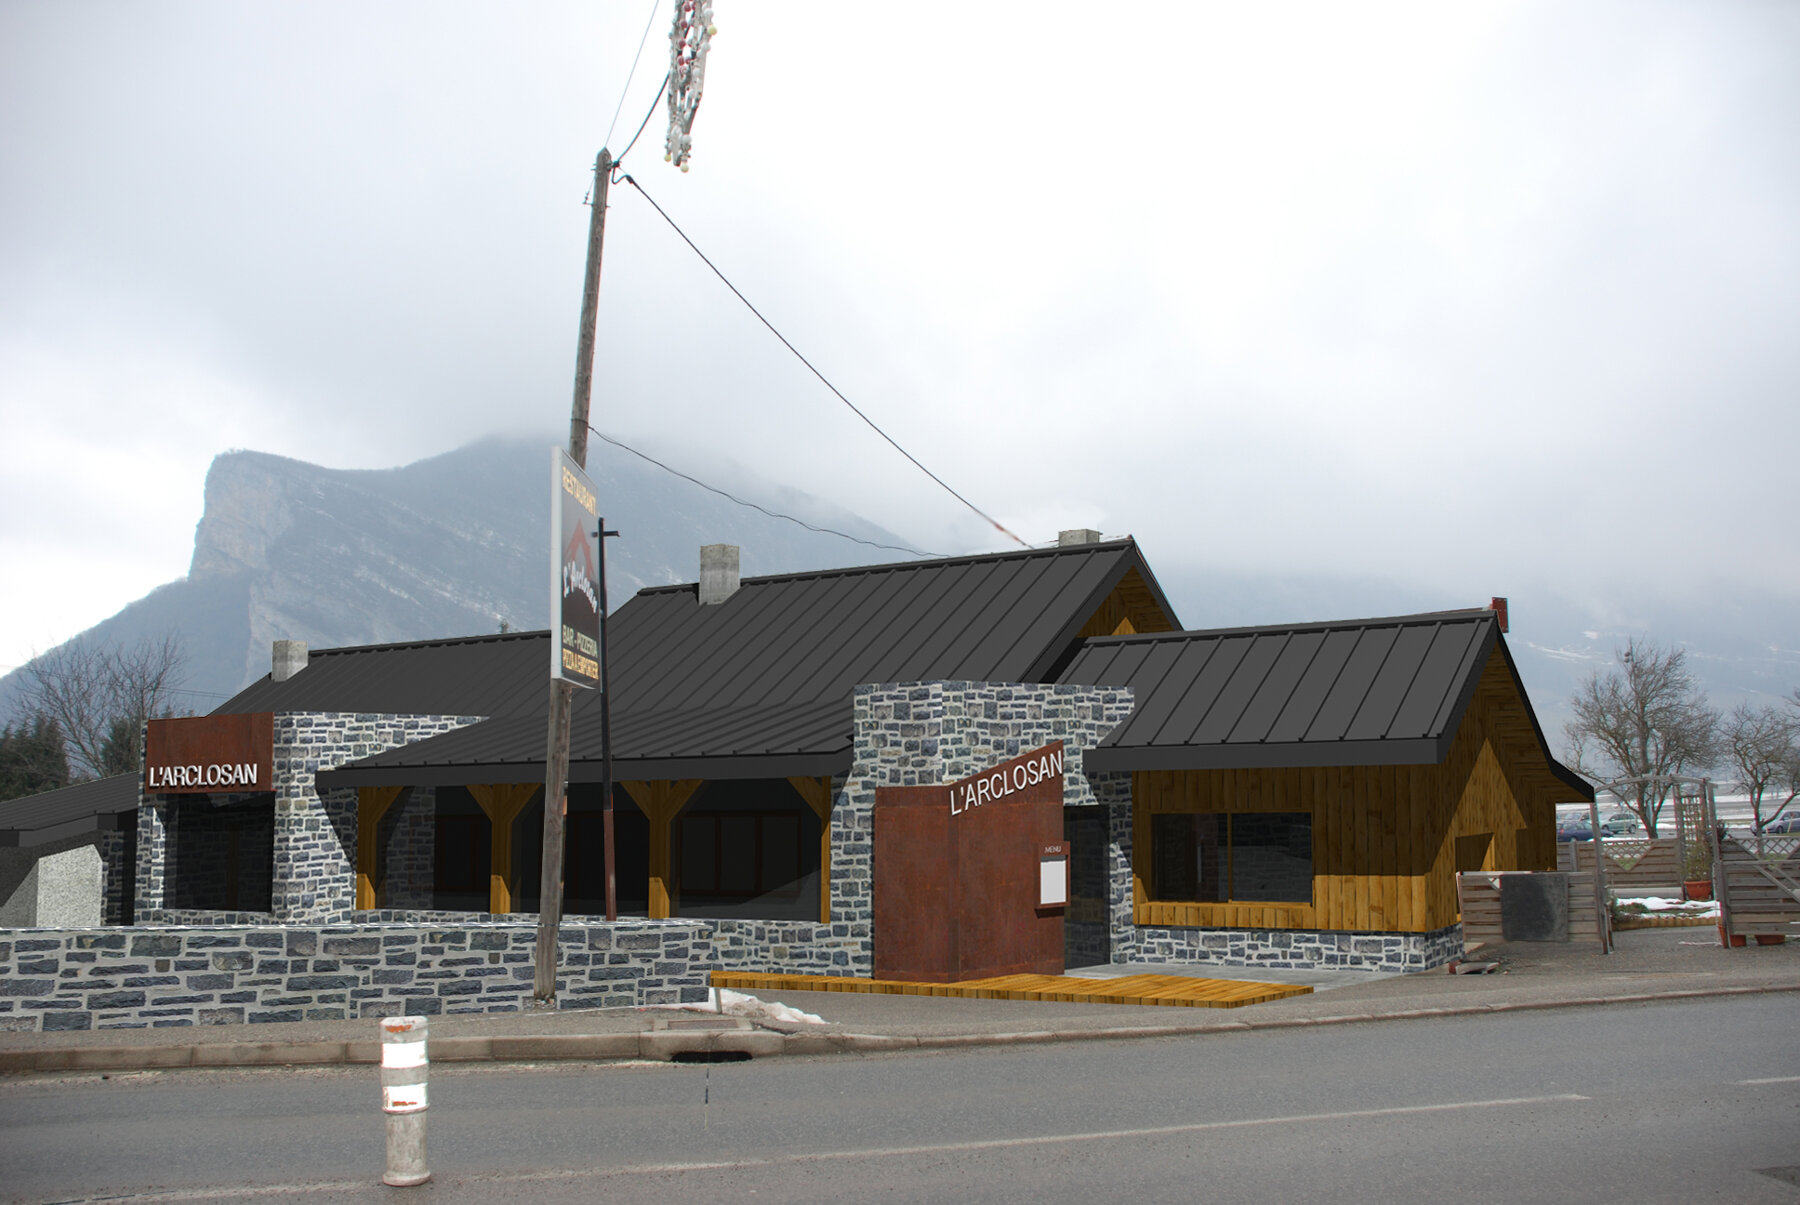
{"type": "Point", "coordinates": [1649, 964]}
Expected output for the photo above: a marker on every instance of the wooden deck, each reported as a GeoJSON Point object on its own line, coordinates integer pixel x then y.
{"type": "Point", "coordinates": [1169, 991]}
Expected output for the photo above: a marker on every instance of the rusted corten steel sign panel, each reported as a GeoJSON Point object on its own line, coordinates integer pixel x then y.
{"type": "Point", "coordinates": [210, 754]}
{"type": "Point", "coordinates": [970, 877]}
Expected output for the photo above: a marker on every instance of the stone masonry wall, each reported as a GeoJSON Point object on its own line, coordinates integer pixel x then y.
{"type": "Point", "coordinates": [914, 733]}
{"type": "Point", "coordinates": [1304, 948]}
{"type": "Point", "coordinates": [213, 975]}
{"type": "Point", "coordinates": [315, 835]}
{"type": "Point", "coordinates": [408, 835]}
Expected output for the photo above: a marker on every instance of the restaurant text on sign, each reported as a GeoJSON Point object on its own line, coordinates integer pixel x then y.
{"type": "Point", "coordinates": [998, 783]}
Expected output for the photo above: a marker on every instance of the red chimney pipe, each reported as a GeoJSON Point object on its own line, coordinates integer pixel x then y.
{"type": "Point", "coordinates": [1498, 606]}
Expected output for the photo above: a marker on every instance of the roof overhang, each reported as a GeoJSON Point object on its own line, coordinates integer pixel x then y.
{"type": "Point", "coordinates": [647, 769]}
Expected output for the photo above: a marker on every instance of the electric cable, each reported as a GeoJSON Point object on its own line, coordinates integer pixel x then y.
{"type": "Point", "coordinates": [773, 514]}
{"type": "Point", "coordinates": [632, 74]}
{"type": "Point", "coordinates": [643, 123]}
{"type": "Point", "coordinates": [995, 523]}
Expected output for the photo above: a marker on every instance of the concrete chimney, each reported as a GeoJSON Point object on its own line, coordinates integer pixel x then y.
{"type": "Point", "coordinates": [718, 573]}
{"type": "Point", "coordinates": [289, 658]}
{"type": "Point", "coordinates": [1077, 535]}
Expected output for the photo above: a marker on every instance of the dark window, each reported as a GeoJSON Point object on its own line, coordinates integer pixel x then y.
{"type": "Point", "coordinates": [739, 853]}
{"type": "Point", "coordinates": [1252, 857]}
{"type": "Point", "coordinates": [463, 860]}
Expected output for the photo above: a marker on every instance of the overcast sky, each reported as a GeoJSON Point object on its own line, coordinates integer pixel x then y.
{"type": "Point", "coordinates": [1479, 299]}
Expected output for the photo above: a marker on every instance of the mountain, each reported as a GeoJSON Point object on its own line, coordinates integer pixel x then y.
{"type": "Point", "coordinates": [449, 546]}
{"type": "Point", "coordinates": [457, 544]}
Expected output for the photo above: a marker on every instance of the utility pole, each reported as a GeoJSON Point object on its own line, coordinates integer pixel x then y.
{"type": "Point", "coordinates": [556, 765]}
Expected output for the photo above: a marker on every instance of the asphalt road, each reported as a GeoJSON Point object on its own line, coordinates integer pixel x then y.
{"type": "Point", "coordinates": [1662, 1102]}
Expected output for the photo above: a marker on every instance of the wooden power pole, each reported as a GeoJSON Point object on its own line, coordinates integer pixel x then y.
{"type": "Point", "coordinates": [556, 764]}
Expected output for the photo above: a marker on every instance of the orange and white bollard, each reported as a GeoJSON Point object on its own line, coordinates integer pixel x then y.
{"type": "Point", "coordinates": [405, 1072]}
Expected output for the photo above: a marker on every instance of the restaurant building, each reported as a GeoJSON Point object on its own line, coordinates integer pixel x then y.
{"type": "Point", "coordinates": [813, 769]}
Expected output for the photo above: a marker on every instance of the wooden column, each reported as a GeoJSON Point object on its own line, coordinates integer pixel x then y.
{"type": "Point", "coordinates": [660, 801]}
{"type": "Point", "coordinates": [817, 793]}
{"type": "Point", "coordinates": [372, 804]}
{"type": "Point", "coordinates": [502, 803]}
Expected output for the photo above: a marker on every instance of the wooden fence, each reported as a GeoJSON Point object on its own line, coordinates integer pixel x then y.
{"type": "Point", "coordinates": [1479, 893]}
{"type": "Point", "coordinates": [1762, 894]}
{"type": "Point", "coordinates": [1635, 866]}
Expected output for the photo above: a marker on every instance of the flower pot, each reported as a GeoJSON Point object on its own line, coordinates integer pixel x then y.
{"type": "Point", "coordinates": [1770, 939]}
{"type": "Point", "coordinates": [1737, 939]}
{"type": "Point", "coordinates": [1696, 889]}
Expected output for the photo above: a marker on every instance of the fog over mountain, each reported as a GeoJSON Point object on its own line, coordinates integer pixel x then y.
{"type": "Point", "coordinates": [449, 546]}
{"type": "Point", "coordinates": [457, 544]}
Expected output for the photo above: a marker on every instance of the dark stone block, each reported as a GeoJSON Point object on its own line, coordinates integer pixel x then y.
{"type": "Point", "coordinates": [188, 964]}
{"type": "Point", "coordinates": [302, 944]}
{"type": "Point", "coordinates": [99, 1000]}
{"type": "Point", "coordinates": [54, 1022]}
{"type": "Point", "coordinates": [155, 945]}
{"type": "Point", "coordinates": [392, 976]}
{"type": "Point", "coordinates": [264, 941]}
{"type": "Point", "coordinates": [149, 981]}
{"type": "Point", "coordinates": [173, 1023]}
{"type": "Point", "coordinates": [233, 960]}
{"type": "Point", "coordinates": [325, 1014]}
{"type": "Point", "coordinates": [326, 966]}
{"type": "Point", "coordinates": [321, 983]}
{"type": "Point", "coordinates": [38, 966]}
{"type": "Point", "coordinates": [27, 987]}
{"type": "Point", "coordinates": [95, 941]}
{"type": "Point", "coordinates": [26, 945]}
{"type": "Point", "coordinates": [238, 998]}
{"type": "Point", "coordinates": [352, 945]}
{"type": "Point", "coordinates": [274, 1016]}
{"type": "Point", "coordinates": [640, 941]}
{"type": "Point", "coordinates": [401, 958]}
{"type": "Point", "coordinates": [210, 983]}
{"type": "Point", "coordinates": [460, 987]}
{"type": "Point", "coordinates": [205, 942]}
{"type": "Point", "coordinates": [220, 1016]}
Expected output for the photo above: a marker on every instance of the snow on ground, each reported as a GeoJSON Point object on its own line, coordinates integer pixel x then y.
{"type": "Point", "coordinates": [737, 1004]}
{"type": "Point", "coordinates": [1657, 903]}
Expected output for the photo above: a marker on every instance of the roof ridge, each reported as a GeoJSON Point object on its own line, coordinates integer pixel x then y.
{"type": "Point", "coordinates": [922, 562]}
{"type": "Point", "coordinates": [433, 642]}
{"type": "Point", "coordinates": [1323, 625]}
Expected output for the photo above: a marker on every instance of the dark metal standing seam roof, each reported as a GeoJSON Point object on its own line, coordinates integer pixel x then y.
{"type": "Point", "coordinates": [761, 684]}
{"type": "Point", "coordinates": [1366, 692]}
{"type": "Point", "coordinates": [502, 674]}
{"type": "Point", "coordinates": [53, 815]}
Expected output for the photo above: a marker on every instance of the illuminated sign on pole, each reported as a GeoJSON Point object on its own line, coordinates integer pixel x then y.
{"type": "Point", "coordinates": [574, 574]}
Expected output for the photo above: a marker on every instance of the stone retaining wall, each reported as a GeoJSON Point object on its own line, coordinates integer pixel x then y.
{"type": "Point", "coordinates": [1301, 948]}
{"type": "Point", "coordinates": [155, 977]}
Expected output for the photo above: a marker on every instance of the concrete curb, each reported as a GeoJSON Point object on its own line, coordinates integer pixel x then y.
{"type": "Point", "coordinates": [664, 1045]}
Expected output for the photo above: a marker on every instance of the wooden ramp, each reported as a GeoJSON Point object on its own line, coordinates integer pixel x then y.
{"type": "Point", "coordinates": [1169, 991]}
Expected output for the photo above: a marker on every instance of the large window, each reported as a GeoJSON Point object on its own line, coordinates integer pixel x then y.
{"type": "Point", "coordinates": [747, 848]}
{"type": "Point", "coordinates": [1249, 857]}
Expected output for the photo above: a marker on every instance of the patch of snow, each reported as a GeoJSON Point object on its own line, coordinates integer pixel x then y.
{"type": "Point", "coordinates": [1656, 903]}
{"type": "Point", "coordinates": [737, 1004]}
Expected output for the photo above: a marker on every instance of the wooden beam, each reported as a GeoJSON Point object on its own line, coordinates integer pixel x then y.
{"type": "Point", "coordinates": [501, 803]}
{"type": "Point", "coordinates": [660, 800]}
{"type": "Point", "coordinates": [817, 793]}
{"type": "Point", "coordinates": [372, 804]}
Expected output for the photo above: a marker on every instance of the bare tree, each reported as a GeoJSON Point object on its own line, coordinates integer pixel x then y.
{"type": "Point", "coordinates": [1763, 744]}
{"type": "Point", "coordinates": [1644, 716]}
{"type": "Point", "coordinates": [100, 695]}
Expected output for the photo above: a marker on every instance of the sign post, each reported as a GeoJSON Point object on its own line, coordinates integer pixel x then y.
{"type": "Point", "coordinates": [576, 604]}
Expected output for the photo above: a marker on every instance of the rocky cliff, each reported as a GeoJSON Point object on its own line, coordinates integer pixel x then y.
{"type": "Point", "coordinates": [453, 545]}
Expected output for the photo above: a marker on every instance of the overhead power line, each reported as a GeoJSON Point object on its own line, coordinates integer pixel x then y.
{"type": "Point", "coordinates": [995, 523]}
{"type": "Point", "coordinates": [773, 514]}
{"type": "Point", "coordinates": [632, 74]}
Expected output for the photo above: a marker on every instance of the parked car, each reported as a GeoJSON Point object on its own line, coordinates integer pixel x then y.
{"type": "Point", "coordinates": [1789, 823]}
{"type": "Point", "coordinates": [1577, 829]}
{"type": "Point", "coordinates": [1618, 824]}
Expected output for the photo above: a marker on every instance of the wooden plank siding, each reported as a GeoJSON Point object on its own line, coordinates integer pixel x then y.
{"type": "Point", "coordinates": [1384, 837]}
{"type": "Point", "coordinates": [1130, 608]}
